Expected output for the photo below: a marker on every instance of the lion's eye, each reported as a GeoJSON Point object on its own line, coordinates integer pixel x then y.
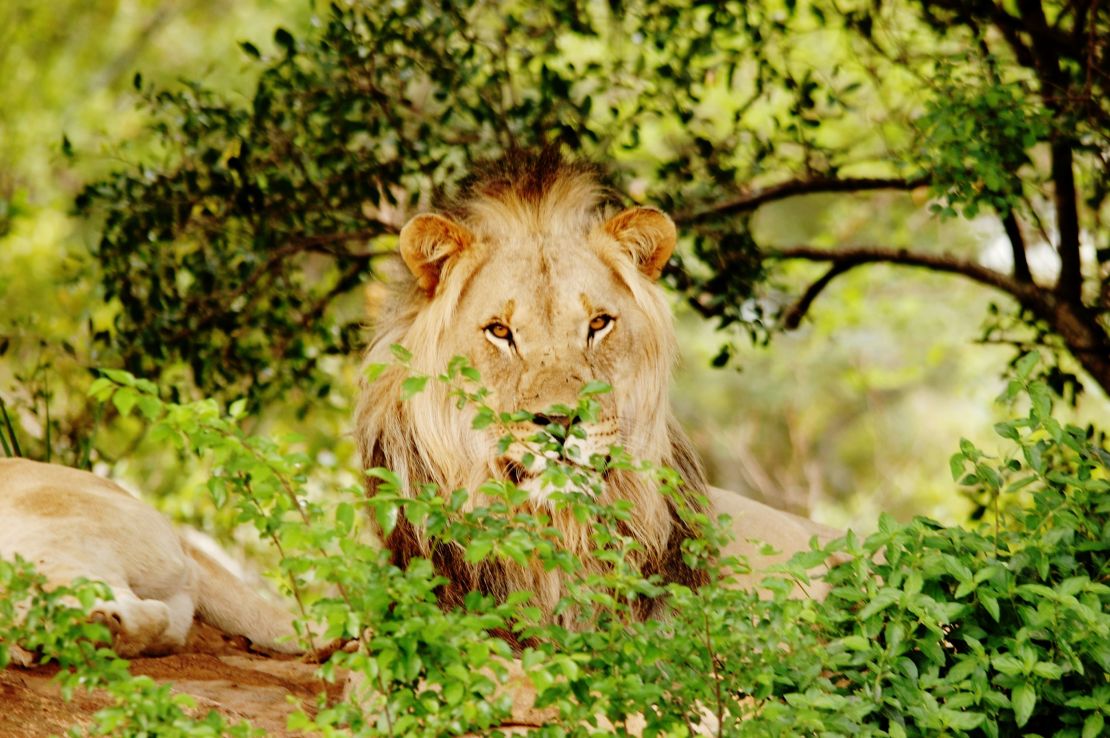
{"type": "Point", "coordinates": [599, 326]}
{"type": "Point", "coordinates": [500, 331]}
{"type": "Point", "coordinates": [600, 322]}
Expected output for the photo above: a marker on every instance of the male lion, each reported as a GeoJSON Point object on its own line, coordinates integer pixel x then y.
{"type": "Point", "coordinates": [536, 278]}
{"type": "Point", "coordinates": [71, 523]}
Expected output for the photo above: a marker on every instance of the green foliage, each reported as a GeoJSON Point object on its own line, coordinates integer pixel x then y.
{"type": "Point", "coordinates": [230, 253]}
{"type": "Point", "coordinates": [976, 139]}
{"type": "Point", "coordinates": [50, 622]}
{"type": "Point", "coordinates": [925, 631]}
{"type": "Point", "coordinates": [239, 253]}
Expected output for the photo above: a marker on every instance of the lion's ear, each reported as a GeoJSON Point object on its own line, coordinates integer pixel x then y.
{"type": "Point", "coordinates": [427, 242]}
{"type": "Point", "coordinates": [648, 235]}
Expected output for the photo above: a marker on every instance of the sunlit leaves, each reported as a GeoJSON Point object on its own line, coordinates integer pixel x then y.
{"type": "Point", "coordinates": [925, 631]}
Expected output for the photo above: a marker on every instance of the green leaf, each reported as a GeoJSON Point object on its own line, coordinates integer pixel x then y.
{"type": "Point", "coordinates": [119, 376]}
{"type": "Point", "coordinates": [964, 720]}
{"type": "Point", "coordinates": [124, 399]}
{"type": "Point", "coordinates": [345, 517]}
{"type": "Point", "coordinates": [1041, 396]}
{"type": "Point", "coordinates": [967, 448]}
{"type": "Point", "coordinates": [1024, 366]}
{"type": "Point", "coordinates": [385, 475]}
{"type": "Point", "coordinates": [956, 466]}
{"type": "Point", "coordinates": [401, 353]}
{"type": "Point", "coordinates": [1024, 699]}
{"type": "Point", "coordinates": [856, 643]}
{"type": "Point", "coordinates": [1008, 664]}
{"type": "Point", "coordinates": [386, 516]}
{"type": "Point", "coordinates": [1092, 726]}
{"type": "Point", "coordinates": [412, 386]}
{"type": "Point", "coordinates": [595, 387]}
{"type": "Point", "coordinates": [100, 388]}
{"type": "Point", "coordinates": [478, 550]}
{"type": "Point", "coordinates": [482, 419]}
{"type": "Point", "coordinates": [150, 407]}
{"type": "Point", "coordinates": [990, 604]}
{"type": "Point", "coordinates": [1048, 670]}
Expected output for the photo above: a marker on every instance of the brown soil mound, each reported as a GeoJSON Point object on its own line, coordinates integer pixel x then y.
{"type": "Point", "coordinates": [220, 672]}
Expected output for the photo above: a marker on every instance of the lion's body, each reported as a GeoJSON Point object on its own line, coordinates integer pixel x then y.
{"type": "Point", "coordinates": [71, 523]}
{"type": "Point", "coordinates": [537, 279]}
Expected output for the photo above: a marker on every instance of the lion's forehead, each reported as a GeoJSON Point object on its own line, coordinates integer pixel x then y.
{"type": "Point", "coordinates": [549, 285]}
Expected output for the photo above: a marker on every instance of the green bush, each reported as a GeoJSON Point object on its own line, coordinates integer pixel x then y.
{"type": "Point", "coordinates": [1000, 630]}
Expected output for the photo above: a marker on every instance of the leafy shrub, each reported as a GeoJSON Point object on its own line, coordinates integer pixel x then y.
{"type": "Point", "coordinates": [997, 631]}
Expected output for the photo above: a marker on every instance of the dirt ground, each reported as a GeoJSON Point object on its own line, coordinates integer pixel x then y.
{"type": "Point", "coordinates": [222, 674]}
{"type": "Point", "coordinates": [219, 671]}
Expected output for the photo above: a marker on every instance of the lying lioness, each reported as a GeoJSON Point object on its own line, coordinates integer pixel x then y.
{"type": "Point", "coordinates": [71, 523]}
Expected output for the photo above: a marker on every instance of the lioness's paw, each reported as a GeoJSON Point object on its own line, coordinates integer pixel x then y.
{"type": "Point", "coordinates": [108, 614]}
{"type": "Point", "coordinates": [137, 626]}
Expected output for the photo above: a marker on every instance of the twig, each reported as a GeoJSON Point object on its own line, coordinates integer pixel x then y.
{"type": "Point", "coordinates": [716, 677]}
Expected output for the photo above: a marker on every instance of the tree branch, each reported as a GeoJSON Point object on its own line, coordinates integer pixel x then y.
{"type": "Point", "coordinates": [1017, 245]}
{"type": "Point", "coordinates": [1054, 91]}
{"type": "Point", "coordinates": [845, 259]}
{"type": "Point", "coordinates": [1079, 327]}
{"type": "Point", "coordinates": [792, 188]}
{"type": "Point", "coordinates": [792, 316]}
{"type": "Point", "coordinates": [1069, 286]}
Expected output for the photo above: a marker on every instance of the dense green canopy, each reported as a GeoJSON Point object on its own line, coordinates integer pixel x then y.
{"type": "Point", "coordinates": [235, 251]}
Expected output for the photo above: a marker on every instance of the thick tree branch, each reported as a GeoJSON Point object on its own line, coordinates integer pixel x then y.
{"type": "Point", "coordinates": [1069, 286]}
{"type": "Point", "coordinates": [1054, 92]}
{"type": "Point", "coordinates": [757, 198]}
{"type": "Point", "coordinates": [1085, 337]}
{"type": "Point", "coordinates": [852, 257]}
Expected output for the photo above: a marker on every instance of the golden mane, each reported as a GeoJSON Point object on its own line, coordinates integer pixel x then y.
{"type": "Point", "coordinates": [427, 439]}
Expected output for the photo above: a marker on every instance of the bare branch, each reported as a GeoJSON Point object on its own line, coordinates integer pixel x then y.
{"type": "Point", "coordinates": [755, 199]}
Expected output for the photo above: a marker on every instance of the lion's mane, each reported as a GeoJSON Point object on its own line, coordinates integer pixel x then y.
{"type": "Point", "coordinates": [427, 439]}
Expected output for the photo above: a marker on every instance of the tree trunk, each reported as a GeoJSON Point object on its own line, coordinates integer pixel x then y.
{"type": "Point", "coordinates": [1084, 337]}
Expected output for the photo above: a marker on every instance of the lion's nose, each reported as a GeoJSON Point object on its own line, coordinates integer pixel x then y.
{"type": "Point", "coordinates": [542, 419]}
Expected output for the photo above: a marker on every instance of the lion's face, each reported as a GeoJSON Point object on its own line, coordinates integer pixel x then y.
{"type": "Point", "coordinates": [541, 312]}
{"type": "Point", "coordinates": [541, 324]}
{"type": "Point", "coordinates": [534, 279]}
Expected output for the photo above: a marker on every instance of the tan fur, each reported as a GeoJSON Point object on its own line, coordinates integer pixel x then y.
{"type": "Point", "coordinates": [535, 244]}
{"type": "Point", "coordinates": [71, 523]}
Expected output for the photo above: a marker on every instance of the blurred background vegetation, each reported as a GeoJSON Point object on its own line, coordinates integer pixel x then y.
{"type": "Point", "coordinates": [191, 195]}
